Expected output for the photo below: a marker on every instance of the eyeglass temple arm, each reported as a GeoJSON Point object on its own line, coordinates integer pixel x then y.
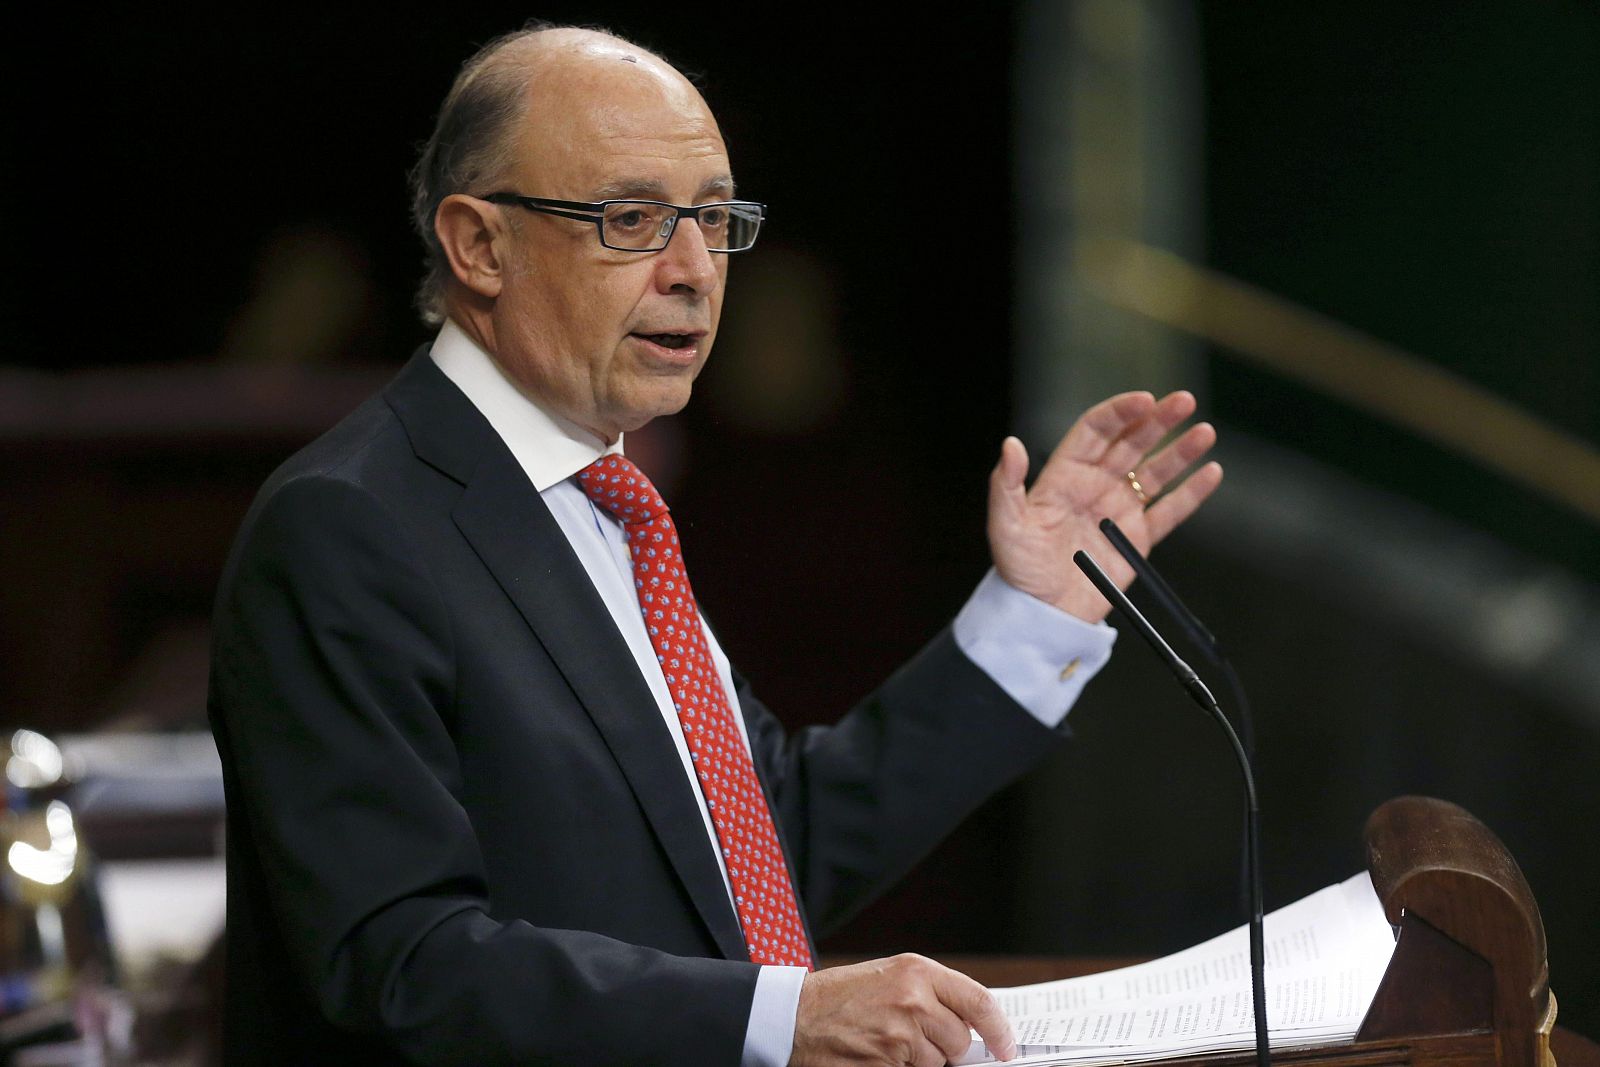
{"type": "Point", "coordinates": [529, 203]}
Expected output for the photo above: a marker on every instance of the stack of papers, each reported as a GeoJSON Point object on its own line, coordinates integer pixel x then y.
{"type": "Point", "coordinates": [1325, 956]}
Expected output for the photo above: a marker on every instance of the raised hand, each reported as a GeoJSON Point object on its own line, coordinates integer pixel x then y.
{"type": "Point", "coordinates": [1034, 532]}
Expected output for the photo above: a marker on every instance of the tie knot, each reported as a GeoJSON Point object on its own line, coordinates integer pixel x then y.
{"type": "Point", "coordinates": [614, 483]}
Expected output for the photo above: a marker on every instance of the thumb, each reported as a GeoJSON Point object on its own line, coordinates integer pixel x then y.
{"type": "Point", "coordinates": [1006, 492]}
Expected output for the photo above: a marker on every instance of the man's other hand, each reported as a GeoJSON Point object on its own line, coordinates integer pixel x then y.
{"type": "Point", "coordinates": [1034, 532]}
{"type": "Point", "coordinates": [898, 1011]}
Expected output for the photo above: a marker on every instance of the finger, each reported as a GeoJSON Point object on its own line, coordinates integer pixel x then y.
{"type": "Point", "coordinates": [1013, 464]}
{"type": "Point", "coordinates": [979, 1010]}
{"type": "Point", "coordinates": [1162, 517]}
{"type": "Point", "coordinates": [1097, 428]}
{"type": "Point", "coordinates": [1165, 465]}
{"type": "Point", "coordinates": [1125, 452]}
{"type": "Point", "coordinates": [946, 1031]}
{"type": "Point", "coordinates": [926, 1054]}
{"type": "Point", "coordinates": [1007, 496]}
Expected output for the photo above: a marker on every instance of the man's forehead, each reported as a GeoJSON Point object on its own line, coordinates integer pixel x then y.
{"type": "Point", "coordinates": [622, 130]}
{"type": "Point", "coordinates": [632, 160]}
{"type": "Point", "coordinates": [639, 187]}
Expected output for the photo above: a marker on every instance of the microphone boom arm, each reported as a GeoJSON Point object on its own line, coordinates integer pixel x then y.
{"type": "Point", "coordinates": [1201, 695]}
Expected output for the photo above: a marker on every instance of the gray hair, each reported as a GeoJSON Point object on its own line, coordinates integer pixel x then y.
{"type": "Point", "coordinates": [472, 143]}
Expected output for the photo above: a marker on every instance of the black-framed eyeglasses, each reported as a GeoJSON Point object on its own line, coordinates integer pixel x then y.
{"type": "Point", "coordinates": [647, 225]}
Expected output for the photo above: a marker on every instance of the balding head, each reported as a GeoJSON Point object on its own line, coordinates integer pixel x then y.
{"type": "Point", "coordinates": [482, 125]}
{"type": "Point", "coordinates": [574, 50]}
{"type": "Point", "coordinates": [604, 335]}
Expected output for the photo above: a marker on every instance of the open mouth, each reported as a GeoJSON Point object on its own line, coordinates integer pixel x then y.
{"type": "Point", "coordinates": [669, 340]}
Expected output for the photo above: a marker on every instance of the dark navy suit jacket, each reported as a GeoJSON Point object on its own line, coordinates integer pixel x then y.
{"type": "Point", "coordinates": [458, 830]}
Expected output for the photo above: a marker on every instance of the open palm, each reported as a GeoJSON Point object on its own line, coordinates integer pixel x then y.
{"type": "Point", "coordinates": [1033, 532]}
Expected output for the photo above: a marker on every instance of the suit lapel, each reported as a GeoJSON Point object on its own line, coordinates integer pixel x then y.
{"type": "Point", "coordinates": [520, 543]}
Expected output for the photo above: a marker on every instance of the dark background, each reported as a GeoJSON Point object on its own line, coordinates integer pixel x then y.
{"type": "Point", "coordinates": [178, 193]}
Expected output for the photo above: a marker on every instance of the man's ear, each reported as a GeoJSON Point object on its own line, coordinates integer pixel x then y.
{"type": "Point", "coordinates": [469, 230]}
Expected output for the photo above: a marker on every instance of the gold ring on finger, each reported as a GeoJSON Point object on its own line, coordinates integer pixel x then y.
{"type": "Point", "coordinates": [1138, 490]}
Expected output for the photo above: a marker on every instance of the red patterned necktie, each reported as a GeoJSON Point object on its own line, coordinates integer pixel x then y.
{"type": "Point", "coordinates": [762, 891]}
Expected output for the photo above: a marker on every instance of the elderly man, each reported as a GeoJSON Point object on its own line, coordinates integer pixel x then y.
{"type": "Point", "coordinates": [495, 795]}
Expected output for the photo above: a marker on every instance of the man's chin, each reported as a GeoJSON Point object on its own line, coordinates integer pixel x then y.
{"type": "Point", "coordinates": [641, 410]}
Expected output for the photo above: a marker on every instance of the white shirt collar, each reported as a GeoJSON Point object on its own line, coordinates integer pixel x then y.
{"type": "Point", "coordinates": [550, 448]}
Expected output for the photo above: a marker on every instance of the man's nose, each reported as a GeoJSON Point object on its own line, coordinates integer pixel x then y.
{"type": "Point", "coordinates": [686, 265]}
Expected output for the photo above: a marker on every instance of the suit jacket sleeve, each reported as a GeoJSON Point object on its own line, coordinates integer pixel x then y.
{"type": "Point", "coordinates": [331, 694]}
{"type": "Point", "coordinates": [861, 801]}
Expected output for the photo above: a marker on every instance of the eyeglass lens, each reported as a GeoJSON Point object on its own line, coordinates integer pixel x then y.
{"type": "Point", "coordinates": [643, 226]}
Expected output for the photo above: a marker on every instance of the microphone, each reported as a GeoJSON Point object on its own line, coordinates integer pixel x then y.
{"type": "Point", "coordinates": [1202, 640]}
{"type": "Point", "coordinates": [1201, 695]}
{"type": "Point", "coordinates": [1108, 589]}
{"type": "Point", "coordinates": [1189, 622]}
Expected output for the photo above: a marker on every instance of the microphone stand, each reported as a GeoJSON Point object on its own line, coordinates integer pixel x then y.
{"type": "Point", "coordinates": [1199, 636]}
{"type": "Point", "coordinates": [1201, 695]}
{"type": "Point", "coordinates": [1208, 646]}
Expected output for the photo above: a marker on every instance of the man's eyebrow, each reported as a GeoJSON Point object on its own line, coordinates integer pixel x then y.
{"type": "Point", "coordinates": [654, 189]}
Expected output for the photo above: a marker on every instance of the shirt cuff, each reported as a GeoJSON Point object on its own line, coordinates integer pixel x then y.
{"type": "Point", "coordinates": [769, 1039]}
{"type": "Point", "coordinates": [1040, 655]}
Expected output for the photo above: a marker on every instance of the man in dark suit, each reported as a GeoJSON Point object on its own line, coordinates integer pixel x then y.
{"type": "Point", "coordinates": [474, 814]}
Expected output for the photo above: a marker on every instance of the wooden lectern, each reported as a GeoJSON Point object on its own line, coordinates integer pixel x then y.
{"type": "Point", "coordinates": [1468, 985]}
{"type": "Point", "coordinates": [1469, 982]}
